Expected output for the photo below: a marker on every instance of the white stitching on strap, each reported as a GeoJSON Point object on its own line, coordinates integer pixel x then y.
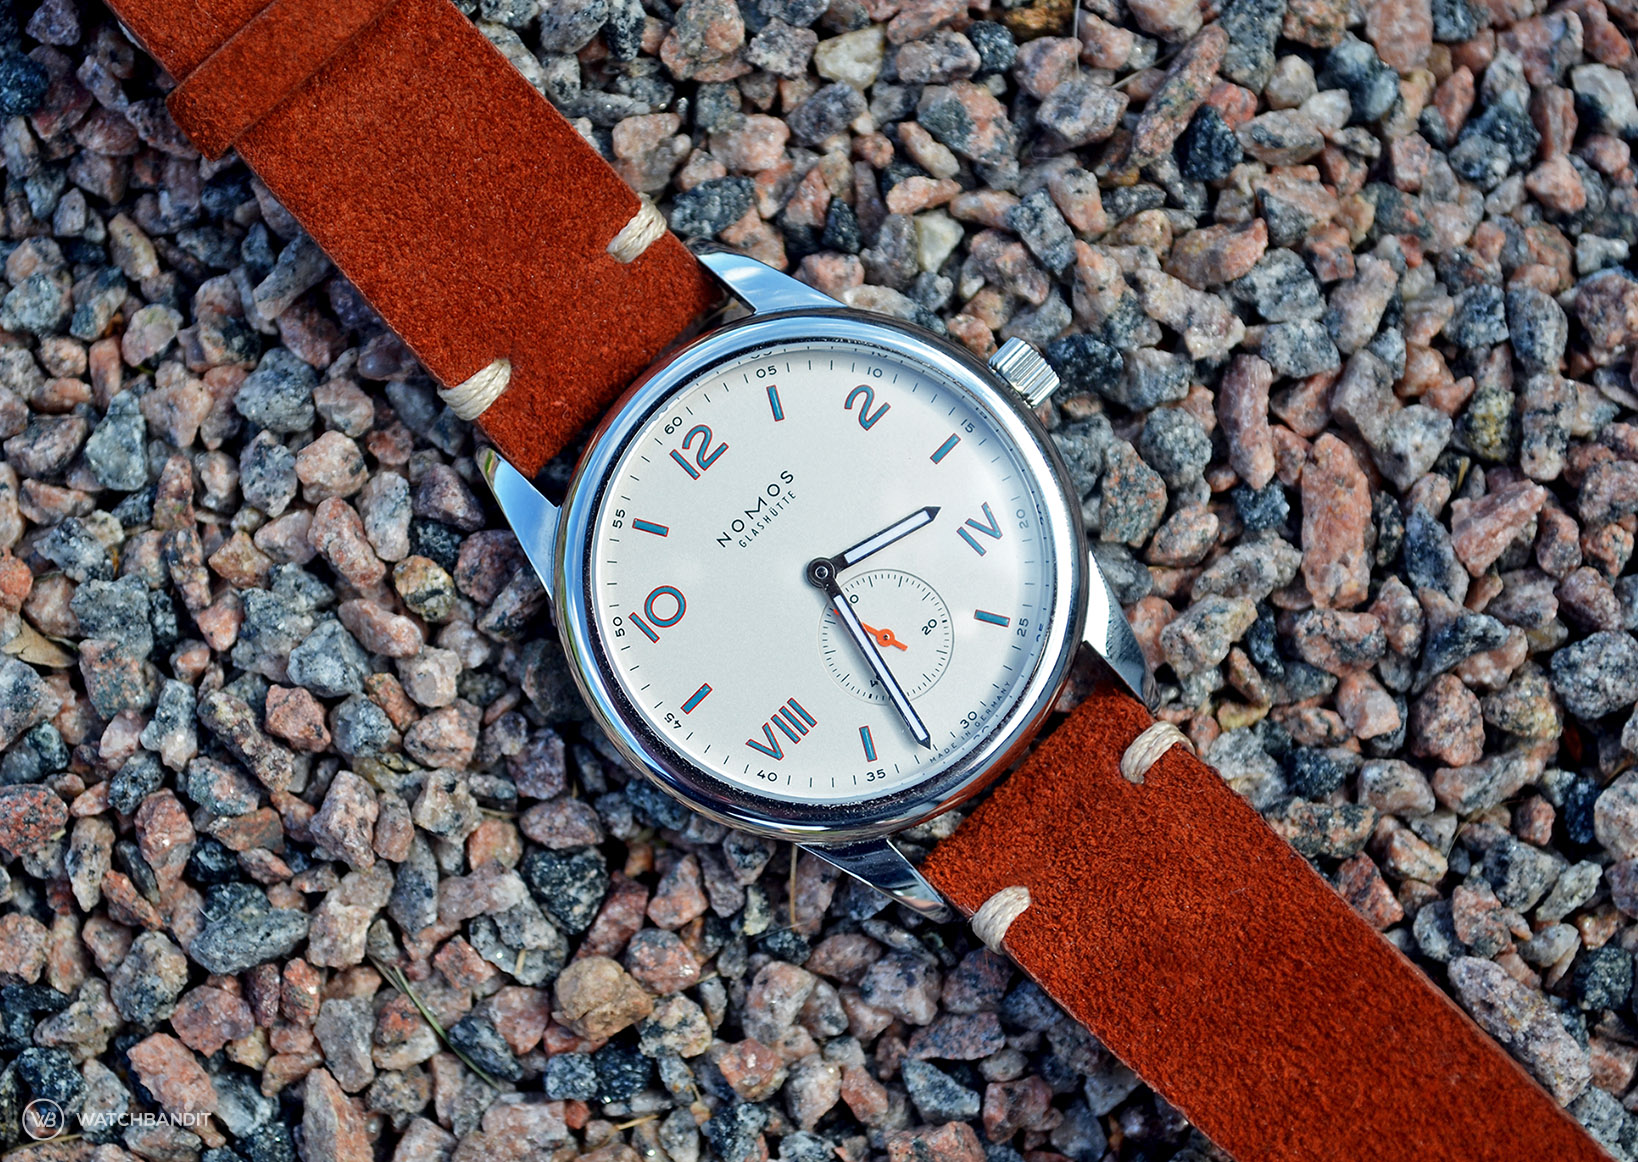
{"type": "Point", "coordinates": [637, 235]}
{"type": "Point", "coordinates": [471, 397]}
{"type": "Point", "coordinates": [996, 914]}
{"type": "Point", "coordinates": [1147, 748]}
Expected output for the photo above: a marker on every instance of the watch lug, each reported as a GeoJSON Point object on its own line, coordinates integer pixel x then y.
{"type": "Point", "coordinates": [761, 287]}
{"type": "Point", "coordinates": [1109, 633]}
{"type": "Point", "coordinates": [532, 517]}
{"type": "Point", "coordinates": [881, 865]}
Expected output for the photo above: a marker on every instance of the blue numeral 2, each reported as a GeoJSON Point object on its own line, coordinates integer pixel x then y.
{"type": "Point", "coordinates": [867, 418]}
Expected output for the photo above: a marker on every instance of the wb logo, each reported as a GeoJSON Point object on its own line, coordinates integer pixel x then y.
{"type": "Point", "coordinates": [44, 1119]}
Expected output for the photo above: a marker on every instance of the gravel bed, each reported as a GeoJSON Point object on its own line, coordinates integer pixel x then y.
{"type": "Point", "coordinates": [304, 838]}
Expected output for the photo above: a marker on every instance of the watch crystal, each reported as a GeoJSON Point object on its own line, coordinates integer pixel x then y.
{"type": "Point", "coordinates": [821, 572]}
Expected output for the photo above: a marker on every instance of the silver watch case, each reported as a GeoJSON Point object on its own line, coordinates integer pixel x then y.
{"type": "Point", "coordinates": [711, 796]}
{"type": "Point", "coordinates": [787, 311]}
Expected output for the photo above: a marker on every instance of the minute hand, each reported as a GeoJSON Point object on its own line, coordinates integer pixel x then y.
{"type": "Point", "coordinates": [822, 574]}
{"type": "Point", "coordinates": [876, 542]}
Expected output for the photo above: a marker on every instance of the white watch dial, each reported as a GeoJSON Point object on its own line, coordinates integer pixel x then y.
{"type": "Point", "coordinates": [719, 565]}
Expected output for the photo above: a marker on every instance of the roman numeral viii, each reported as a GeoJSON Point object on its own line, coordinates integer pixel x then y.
{"type": "Point", "coordinates": [791, 721]}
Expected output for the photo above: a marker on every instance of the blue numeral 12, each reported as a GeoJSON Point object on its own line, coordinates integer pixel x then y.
{"type": "Point", "coordinates": [704, 455]}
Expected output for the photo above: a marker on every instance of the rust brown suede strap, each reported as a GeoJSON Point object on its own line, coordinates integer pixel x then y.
{"type": "Point", "coordinates": [1205, 953]}
{"type": "Point", "coordinates": [462, 205]}
{"type": "Point", "coordinates": [1165, 916]}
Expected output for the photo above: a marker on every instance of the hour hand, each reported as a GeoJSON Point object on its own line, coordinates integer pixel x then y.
{"type": "Point", "coordinates": [822, 575]}
{"type": "Point", "coordinates": [876, 542]}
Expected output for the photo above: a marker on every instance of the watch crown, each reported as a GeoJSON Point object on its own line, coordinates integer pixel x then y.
{"type": "Point", "coordinates": [1022, 366]}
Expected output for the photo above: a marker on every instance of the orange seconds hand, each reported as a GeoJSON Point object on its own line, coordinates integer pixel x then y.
{"type": "Point", "coordinates": [884, 637]}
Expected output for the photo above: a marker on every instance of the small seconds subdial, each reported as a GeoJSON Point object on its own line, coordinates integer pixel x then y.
{"type": "Point", "coordinates": [911, 627]}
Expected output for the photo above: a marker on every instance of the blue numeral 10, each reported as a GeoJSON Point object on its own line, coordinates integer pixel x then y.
{"type": "Point", "coordinates": [665, 608]}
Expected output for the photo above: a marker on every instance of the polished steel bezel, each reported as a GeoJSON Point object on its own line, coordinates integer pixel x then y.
{"type": "Point", "coordinates": [705, 792]}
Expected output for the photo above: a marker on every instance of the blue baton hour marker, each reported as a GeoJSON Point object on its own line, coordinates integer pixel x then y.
{"type": "Point", "coordinates": [648, 526]}
{"type": "Point", "coordinates": [945, 448]}
{"type": "Point", "coordinates": [773, 402]}
{"type": "Point", "coordinates": [696, 698]}
{"type": "Point", "coordinates": [869, 744]}
{"type": "Point", "coordinates": [989, 618]}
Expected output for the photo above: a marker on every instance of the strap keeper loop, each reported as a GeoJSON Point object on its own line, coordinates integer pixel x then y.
{"type": "Point", "coordinates": [264, 64]}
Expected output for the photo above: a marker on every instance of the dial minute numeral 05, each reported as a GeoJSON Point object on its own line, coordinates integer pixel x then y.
{"type": "Point", "coordinates": [704, 455]}
{"type": "Point", "coordinates": [792, 721]}
{"type": "Point", "coordinates": [990, 528]}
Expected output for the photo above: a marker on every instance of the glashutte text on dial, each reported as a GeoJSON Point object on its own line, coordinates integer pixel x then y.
{"type": "Point", "coordinates": [741, 531]}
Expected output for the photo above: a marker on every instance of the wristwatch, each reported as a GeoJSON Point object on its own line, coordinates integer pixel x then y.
{"type": "Point", "coordinates": [819, 576]}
